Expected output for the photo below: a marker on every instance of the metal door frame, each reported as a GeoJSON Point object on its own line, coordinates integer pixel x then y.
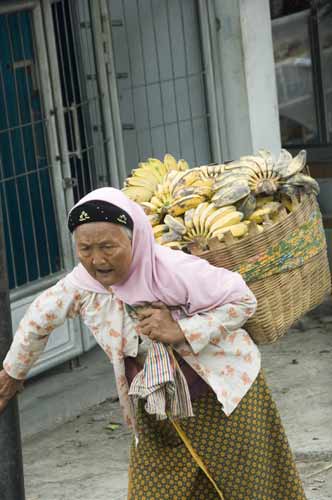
{"type": "Point", "coordinates": [52, 142]}
{"type": "Point", "coordinates": [214, 87]}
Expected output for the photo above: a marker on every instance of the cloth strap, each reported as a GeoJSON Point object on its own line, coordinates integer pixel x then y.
{"type": "Point", "coordinates": [162, 384]}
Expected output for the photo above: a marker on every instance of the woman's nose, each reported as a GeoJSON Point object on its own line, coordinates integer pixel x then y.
{"type": "Point", "coordinates": [98, 258]}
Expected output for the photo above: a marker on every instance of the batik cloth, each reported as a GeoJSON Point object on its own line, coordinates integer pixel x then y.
{"type": "Point", "coordinates": [247, 454]}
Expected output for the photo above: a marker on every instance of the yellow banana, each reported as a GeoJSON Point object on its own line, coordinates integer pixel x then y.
{"type": "Point", "coordinates": [209, 210]}
{"type": "Point", "coordinates": [226, 220]}
{"type": "Point", "coordinates": [155, 162]}
{"type": "Point", "coordinates": [181, 205]}
{"type": "Point", "coordinates": [262, 167]}
{"type": "Point", "coordinates": [263, 200]}
{"type": "Point", "coordinates": [184, 191]}
{"type": "Point", "coordinates": [154, 219]}
{"type": "Point", "coordinates": [174, 176]}
{"type": "Point", "coordinates": [157, 166]}
{"type": "Point", "coordinates": [188, 219]}
{"type": "Point", "coordinates": [182, 165]}
{"type": "Point", "coordinates": [140, 182]}
{"type": "Point", "coordinates": [227, 180]}
{"type": "Point", "coordinates": [149, 208]}
{"type": "Point", "coordinates": [170, 162]}
{"type": "Point", "coordinates": [220, 212]}
{"type": "Point", "coordinates": [144, 170]}
{"type": "Point", "coordinates": [269, 208]}
{"type": "Point", "coordinates": [231, 194]}
{"type": "Point", "coordinates": [138, 194]}
{"type": "Point", "coordinates": [186, 178]}
{"type": "Point", "coordinates": [245, 164]}
{"type": "Point", "coordinates": [155, 200]}
{"type": "Point", "coordinates": [159, 230]}
{"type": "Point", "coordinates": [202, 189]}
{"type": "Point", "coordinates": [237, 230]}
{"type": "Point", "coordinates": [168, 236]}
{"type": "Point", "coordinates": [197, 214]}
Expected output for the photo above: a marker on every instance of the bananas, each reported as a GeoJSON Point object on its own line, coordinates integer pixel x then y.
{"type": "Point", "coordinates": [238, 230]}
{"type": "Point", "coordinates": [218, 201]}
{"type": "Point", "coordinates": [138, 194]}
{"type": "Point", "coordinates": [261, 174]}
{"type": "Point", "coordinates": [143, 181]}
{"type": "Point", "coordinates": [175, 224]}
{"type": "Point", "coordinates": [181, 205]}
{"type": "Point", "coordinates": [270, 208]}
{"type": "Point", "coordinates": [226, 220]}
{"type": "Point", "coordinates": [159, 230]}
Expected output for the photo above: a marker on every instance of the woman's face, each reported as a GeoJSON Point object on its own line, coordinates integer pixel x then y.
{"type": "Point", "coordinates": [104, 249]}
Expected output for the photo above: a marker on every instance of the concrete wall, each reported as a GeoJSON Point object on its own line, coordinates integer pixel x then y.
{"type": "Point", "coordinates": [248, 76]}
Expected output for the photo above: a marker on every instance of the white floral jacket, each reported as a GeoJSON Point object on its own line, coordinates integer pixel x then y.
{"type": "Point", "coordinates": [216, 346]}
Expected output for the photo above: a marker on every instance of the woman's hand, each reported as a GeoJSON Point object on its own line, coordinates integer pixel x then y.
{"type": "Point", "coordinates": [8, 388]}
{"type": "Point", "coordinates": [156, 322]}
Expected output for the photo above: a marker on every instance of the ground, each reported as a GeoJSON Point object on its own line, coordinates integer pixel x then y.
{"type": "Point", "coordinates": [84, 459]}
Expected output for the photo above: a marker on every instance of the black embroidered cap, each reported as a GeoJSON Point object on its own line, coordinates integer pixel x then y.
{"type": "Point", "coordinates": [98, 211]}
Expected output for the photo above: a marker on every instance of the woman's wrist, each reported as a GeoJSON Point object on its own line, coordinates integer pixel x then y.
{"type": "Point", "coordinates": [10, 382]}
{"type": "Point", "coordinates": [179, 336]}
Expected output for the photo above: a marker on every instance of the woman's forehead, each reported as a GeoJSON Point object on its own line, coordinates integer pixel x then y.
{"type": "Point", "coordinates": [98, 231]}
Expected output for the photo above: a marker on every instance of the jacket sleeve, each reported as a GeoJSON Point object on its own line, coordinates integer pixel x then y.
{"type": "Point", "coordinates": [204, 328]}
{"type": "Point", "coordinates": [48, 311]}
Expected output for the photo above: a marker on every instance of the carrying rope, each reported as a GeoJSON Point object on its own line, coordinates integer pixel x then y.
{"type": "Point", "coordinates": [189, 447]}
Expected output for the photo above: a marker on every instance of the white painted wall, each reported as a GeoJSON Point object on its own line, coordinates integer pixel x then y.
{"type": "Point", "coordinates": [248, 76]}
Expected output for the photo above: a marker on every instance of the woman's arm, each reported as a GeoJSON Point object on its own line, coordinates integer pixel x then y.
{"type": "Point", "coordinates": [8, 388]}
{"type": "Point", "coordinates": [47, 312]}
{"type": "Point", "coordinates": [209, 327]}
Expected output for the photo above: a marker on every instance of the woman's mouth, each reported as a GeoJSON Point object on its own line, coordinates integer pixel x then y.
{"type": "Point", "coordinates": [104, 271]}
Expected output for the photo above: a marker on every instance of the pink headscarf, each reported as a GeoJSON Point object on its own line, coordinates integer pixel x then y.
{"type": "Point", "coordinates": [161, 274]}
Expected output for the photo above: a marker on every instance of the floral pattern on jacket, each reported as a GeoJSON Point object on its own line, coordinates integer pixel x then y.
{"type": "Point", "coordinates": [216, 346]}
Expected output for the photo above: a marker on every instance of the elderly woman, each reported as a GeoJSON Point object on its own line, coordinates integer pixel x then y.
{"type": "Point", "coordinates": [187, 373]}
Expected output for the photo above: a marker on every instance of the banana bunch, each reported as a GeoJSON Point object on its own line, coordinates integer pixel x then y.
{"type": "Point", "coordinates": [261, 174]}
{"type": "Point", "coordinates": [179, 192]}
{"type": "Point", "coordinates": [163, 234]}
{"type": "Point", "coordinates": [204, 222]}
{"type": "Point", "coordinates": [211, 171]}
{"type": "Point", "coordinates": [143, 182]}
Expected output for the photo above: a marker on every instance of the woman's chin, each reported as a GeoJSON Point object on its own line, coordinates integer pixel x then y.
{"type": "Point", "coordinates": [107, 279]}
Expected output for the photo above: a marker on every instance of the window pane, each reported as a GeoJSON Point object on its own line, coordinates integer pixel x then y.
{"type": "Point", "coordinates": [294, 79]}
{"type": "Point", "coordinates": [26, 187]}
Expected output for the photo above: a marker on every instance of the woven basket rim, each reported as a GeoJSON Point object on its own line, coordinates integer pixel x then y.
{"type": "Point", "coordinates": [260, 238]}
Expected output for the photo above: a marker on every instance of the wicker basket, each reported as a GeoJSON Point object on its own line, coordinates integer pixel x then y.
{"type": "Point", "coordinates": [283, 297]}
